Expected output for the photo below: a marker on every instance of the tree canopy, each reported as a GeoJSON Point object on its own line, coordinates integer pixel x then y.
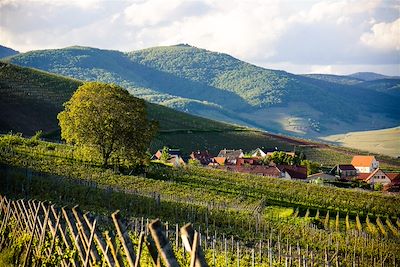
{"type": "Point", "coordinates": [109, 119]}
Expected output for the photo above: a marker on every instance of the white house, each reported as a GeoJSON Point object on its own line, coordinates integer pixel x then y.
{"type": "Point", "coordinates": [376, 177]}
{"type": "Point", "coordinates": [365, 164]}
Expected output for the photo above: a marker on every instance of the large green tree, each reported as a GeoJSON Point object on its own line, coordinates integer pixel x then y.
{"type": "Point", "coordinates": [109, 119]}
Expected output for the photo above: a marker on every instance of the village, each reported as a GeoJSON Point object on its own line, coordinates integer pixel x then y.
{"type": "Point", "coordinates": [362, 172]}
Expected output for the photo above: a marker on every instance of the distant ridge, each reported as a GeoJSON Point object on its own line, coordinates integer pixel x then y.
{"type": "Point", "coordinates": [6, 52]}
{"type": "Point", "coordinates": [370, 76]}
{"type": "Point", "coordinates": [220, 87]}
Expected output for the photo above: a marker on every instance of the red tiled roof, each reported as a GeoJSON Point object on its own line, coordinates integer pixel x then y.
{"type": "Point", "coordinates": [363, 176]}
{"type": "Point", "coordinates": [362, 161]}
{"type": "Point", "coordinates": [394, 177]}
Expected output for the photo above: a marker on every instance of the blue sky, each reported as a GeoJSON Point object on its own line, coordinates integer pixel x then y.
{"type": "Point", "coordinates": [302, 36]}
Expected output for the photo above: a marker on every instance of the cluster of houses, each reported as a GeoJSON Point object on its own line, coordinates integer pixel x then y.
{"type": "Point", "coordinates": [365, 169]}
{"type": "Point", "coordinates": [362, 168]}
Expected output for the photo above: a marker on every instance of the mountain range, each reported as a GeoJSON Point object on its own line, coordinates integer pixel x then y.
{"type": "Point", "coordinates": [220, 87]}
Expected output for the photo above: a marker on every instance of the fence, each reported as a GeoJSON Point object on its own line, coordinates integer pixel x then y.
{"type": "Point", "coordinates": [68, 237]}
{"type": "Point", "coordinates": [68, 230]}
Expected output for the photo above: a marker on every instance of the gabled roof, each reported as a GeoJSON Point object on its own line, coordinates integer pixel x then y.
{"type": "Point", "coordinates": [346, 167]}
{"type": "Point", "coordinates": [258, 151]}
{"type": "Point", "coordinates": [363, 176]}
{"type": "Point", "coordinates": [362, 161]}
{"type": "Point", "coordinates": [230, 153]}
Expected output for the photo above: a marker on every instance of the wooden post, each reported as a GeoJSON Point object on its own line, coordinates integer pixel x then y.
{"type": "Point", "coordinates": [193, 252]}
{"type": "Point", "coordinates": [238, 253]}
{"type": "Point", "coordinates": [90, 244]}
{"type": "Point", "coordinates": [139, 249]}
{"type": "Point", "coordinates": [85, 234]}
{"type": "Point", "coordinates": [112, 249]}
{"type": "Point", "coordinates": [188, 235]}
{"type": "Point", "coordinates": [100, 242]}
{"type": "Point", "coordinates": [28, 249]}
{"type": "Point", "coordinates": [74, 235]}
{"type": "Point", "coordinates": [124, 238]}
{"type": "Point", "coordinates": [163, 246]}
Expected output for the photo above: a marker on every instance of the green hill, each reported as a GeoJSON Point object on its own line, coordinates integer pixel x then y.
{"type": "Point", "coordinates": [31, 99]}
{"type": "Point", "coordinates": [220, 87]}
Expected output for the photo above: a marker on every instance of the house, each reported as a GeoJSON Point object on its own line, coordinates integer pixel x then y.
{"type": "Point", "coordinates": [248, 161]}
{"type": "Point", "coordinates": [344, 170]}
{"type": "Point", "coordinates": [376, 177]}
{"type": "Point", "coordinates": [394, 186]}
{"type": "Point", "coordinates": [231, 155]}
{"type": "Point", "coordinates": [176, 161]}
{"type": "Point", "coordinates": [365, 164]}
{"type": "Point", "coordinates": [171, 152]}
{"type": "Point", "coordinates": [217, 161]}
{"type": "Point", "coordinates": [257, 153]}
{"type": "Point", "coordinates": [293, 171]}
{"type": "Point", "coordinates": [203, 157]}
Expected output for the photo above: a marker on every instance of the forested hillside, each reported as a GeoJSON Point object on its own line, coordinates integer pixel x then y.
{"type": "Point", "coordinates": [218, 86]}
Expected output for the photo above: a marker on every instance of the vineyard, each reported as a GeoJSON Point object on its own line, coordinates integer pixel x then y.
{"type": "Point", "coordinates": [38, 233]}
{"type": "Point", "coordinates": [324, 225]}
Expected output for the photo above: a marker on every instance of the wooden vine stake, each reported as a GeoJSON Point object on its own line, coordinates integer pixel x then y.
{"type": "Point", "coordinates": [163, 246]}
{"type": "Point", "coordinates": [189, 236]}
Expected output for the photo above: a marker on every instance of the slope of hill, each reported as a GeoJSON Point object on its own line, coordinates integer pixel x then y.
{"type": "Point", "coordinates": [6, 52]}
{"type": "Point", "coordinates": [30, 101]}
{"type": "Point", "coordinates": [385, 141]}
{"type": "Point", "coordinates": [218, 86]}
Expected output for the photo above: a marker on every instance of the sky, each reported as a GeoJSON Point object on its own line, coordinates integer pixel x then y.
{"type": "Point", "coordinates": [299, 36]}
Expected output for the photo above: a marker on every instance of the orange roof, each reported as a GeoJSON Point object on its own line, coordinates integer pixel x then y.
{"type": "Point", "coordinates": [220, 160]}
{"type": "Point", "coordinates": [362, 161]}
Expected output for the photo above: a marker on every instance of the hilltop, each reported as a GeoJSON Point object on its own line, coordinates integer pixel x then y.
{"type": "Point", "coordinates": [6, 51]}
{"type": "Point", "coordinates": [221, 87]}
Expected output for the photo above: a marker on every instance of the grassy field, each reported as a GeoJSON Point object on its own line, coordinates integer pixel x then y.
{"type": "Point", "coordinates": [385, 141]}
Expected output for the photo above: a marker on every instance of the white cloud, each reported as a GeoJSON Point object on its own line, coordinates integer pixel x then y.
{"type": "Point", "coordinates": [383, 36]}
{"type": "Point", "coordinates": [307, 34]}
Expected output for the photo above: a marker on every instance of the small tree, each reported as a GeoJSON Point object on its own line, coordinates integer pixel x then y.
{"type": "Point", "coordinates": [164, 154]}
{"type": "Point", "coordinates": [109, 119]}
